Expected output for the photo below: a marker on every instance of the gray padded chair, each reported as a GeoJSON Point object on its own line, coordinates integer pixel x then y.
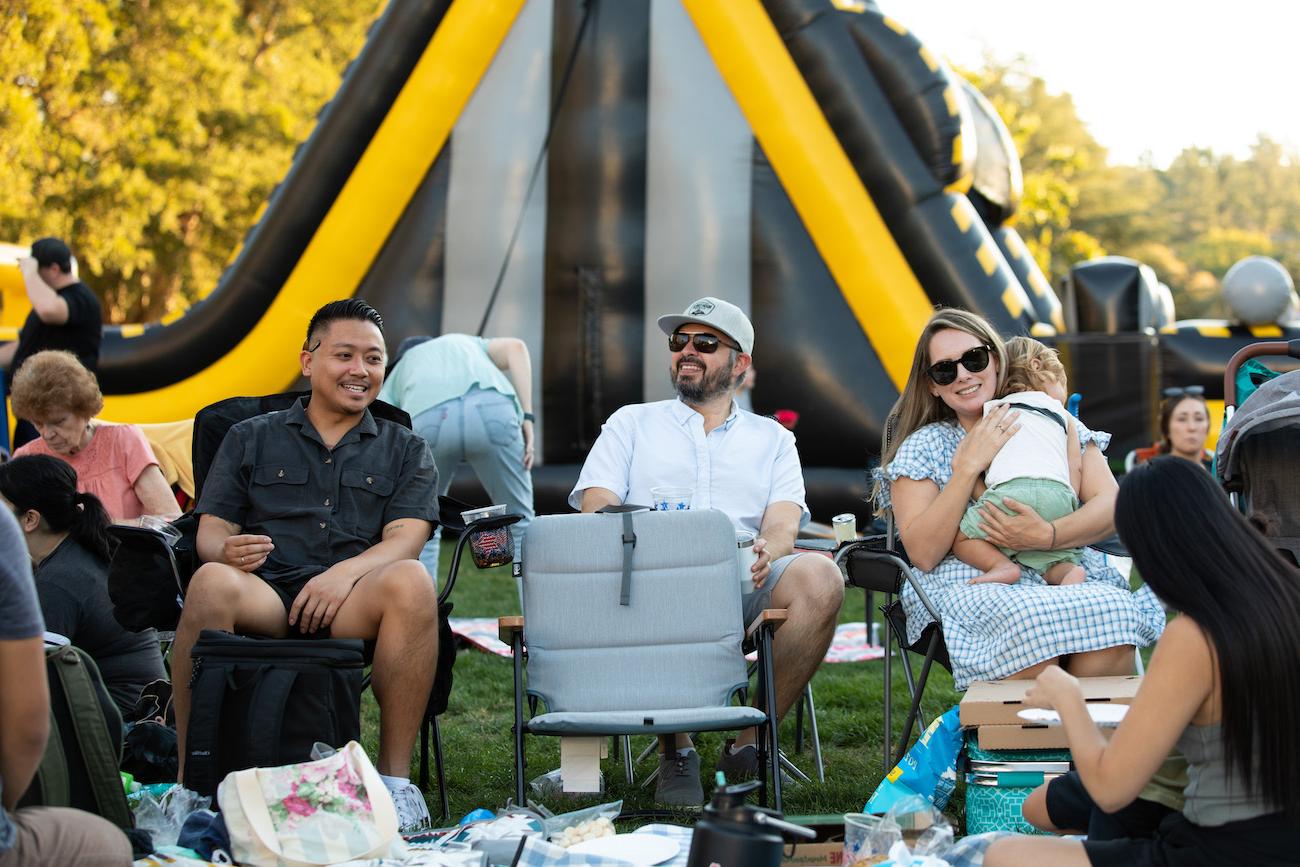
{"type": "Point", "coordinates": [634, 627]}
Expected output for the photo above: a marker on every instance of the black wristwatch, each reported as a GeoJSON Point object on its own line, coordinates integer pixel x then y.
{"type": "Point", "coordinates": [528, 416]}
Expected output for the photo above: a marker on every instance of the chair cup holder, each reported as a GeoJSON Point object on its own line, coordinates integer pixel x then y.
{"type": "Point", "coordinates": [492, 547]}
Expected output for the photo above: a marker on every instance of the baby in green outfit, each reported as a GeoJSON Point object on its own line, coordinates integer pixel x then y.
{"type": "Point", "coordinates": [1039, 466]}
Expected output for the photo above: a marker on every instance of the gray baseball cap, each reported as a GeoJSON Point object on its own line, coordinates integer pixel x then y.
{"type": "Point", "coordinates": [715, 313]}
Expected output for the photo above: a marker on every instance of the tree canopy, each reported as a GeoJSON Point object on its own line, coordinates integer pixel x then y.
{"type": "Point", "coordinates": [1190, 221]}
{"type": "Point", "coordinates": [149, 132]}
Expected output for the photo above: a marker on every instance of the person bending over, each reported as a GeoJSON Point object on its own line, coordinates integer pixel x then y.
{"type": "Point", "coordinates": [311, 523]}
{"type": "Point", "coordinates": [1040, 466]}
{"type": "Point", "coordinates": [67, 537]}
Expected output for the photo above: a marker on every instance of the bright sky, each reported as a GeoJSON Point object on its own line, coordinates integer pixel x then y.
{"type": "Point", "coordinates": [1146, 75]}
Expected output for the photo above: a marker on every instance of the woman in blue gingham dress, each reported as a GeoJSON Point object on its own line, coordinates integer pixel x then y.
{"type": "Point", "coordinates": [999, 630]}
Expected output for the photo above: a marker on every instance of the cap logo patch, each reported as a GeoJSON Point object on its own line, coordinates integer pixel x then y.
{"type": "Point", "coordinates": [700, 308]}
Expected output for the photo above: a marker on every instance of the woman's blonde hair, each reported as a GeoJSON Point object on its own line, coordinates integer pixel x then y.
{"type": "Point", "coordinates": [52, 383]}
{"type": "Point", "coordinates": [916, 406]}
{"type": "Point", "coordinates": [1030, 366]}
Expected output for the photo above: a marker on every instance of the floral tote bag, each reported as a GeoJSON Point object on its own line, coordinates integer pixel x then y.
{"type": "Point", "coordinates": [320, 812]}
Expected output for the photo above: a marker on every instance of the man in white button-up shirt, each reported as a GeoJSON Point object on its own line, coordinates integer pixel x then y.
{"type": "Point", "coordinates": [741, 464]}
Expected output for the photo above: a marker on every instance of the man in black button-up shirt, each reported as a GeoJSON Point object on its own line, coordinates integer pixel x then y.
{"type": "Point", "coordinates": [311, 522]}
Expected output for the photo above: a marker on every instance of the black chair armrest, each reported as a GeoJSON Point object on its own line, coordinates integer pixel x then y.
{"type": "Point", "coordinates": [1112, 546]}
{"type": "Point", "coordinates": [871, 565]}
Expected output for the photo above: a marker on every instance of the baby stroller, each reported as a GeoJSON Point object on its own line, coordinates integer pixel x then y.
{"type": "Point", "coordinates": [1259, 448]}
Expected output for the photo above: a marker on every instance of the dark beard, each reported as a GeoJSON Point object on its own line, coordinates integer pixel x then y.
{"type": "Point", "coordinates": [707, 387]}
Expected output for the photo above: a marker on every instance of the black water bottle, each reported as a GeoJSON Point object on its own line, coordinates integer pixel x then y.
{"type": "Point", "coordinates": [735, 834]}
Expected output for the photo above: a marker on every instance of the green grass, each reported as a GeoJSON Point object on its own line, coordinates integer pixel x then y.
{"type": "Point", "coordinates": [478, 743]}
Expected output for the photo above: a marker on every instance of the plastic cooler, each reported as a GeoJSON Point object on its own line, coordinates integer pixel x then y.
{"type": "Point", "coordinates": [998, 781]}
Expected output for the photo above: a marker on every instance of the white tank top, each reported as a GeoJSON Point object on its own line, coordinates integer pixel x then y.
{"type": "Point", "coordinates": [1037, 450]}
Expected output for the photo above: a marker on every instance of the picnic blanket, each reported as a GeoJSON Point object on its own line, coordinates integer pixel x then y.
{"type": "Point", "coordinates": [849, 645]}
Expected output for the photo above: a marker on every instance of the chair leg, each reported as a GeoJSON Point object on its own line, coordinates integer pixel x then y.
{"type": "Point", "coordinates": [628, 771]}
{"type": "Point", "coordinates": [442, 772]}
{"type": "Point", "coordinates": [519, 720]}
{"type": "Point", "coordinates": [889, 690]}
{"type": "Point", "coordinates": [424, 755]}
{"type": "Point", "coordinates": [769, 701]}
{"type": "Point", "coordinates": [818, 762]}
{"type": "Point", "coordinates": [915, 709]}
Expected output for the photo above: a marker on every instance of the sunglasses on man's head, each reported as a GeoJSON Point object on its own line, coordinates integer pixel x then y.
{"type": "Point", "coordinates": [974, 360]}
{"type": "Point", "coordinates": [1191, 391]}
{"type": "Point", "coordinates": [705, 344]}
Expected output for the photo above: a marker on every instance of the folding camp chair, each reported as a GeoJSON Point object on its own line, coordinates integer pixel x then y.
{"type": "Point", "coordinates": [634, 627]}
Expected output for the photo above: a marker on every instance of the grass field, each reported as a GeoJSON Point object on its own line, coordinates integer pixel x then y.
{"type": "Point", "coordinates": [478, 742]}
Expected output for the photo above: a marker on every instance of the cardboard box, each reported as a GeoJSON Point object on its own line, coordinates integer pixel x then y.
{"type": "Point", "coordinates": [1025, 737]}
{"type": "Point", "coordinates": [813, 854]}
{"type": "Point", "coordinates": [996, 703]}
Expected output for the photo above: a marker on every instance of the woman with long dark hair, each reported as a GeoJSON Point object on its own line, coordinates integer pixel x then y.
{"type": "Point", "coordinates": [1223, 687]}
{"type": "Point", "coordinates": [67, 537]}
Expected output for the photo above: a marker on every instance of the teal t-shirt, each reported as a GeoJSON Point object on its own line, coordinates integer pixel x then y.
{"type": "Point", "coordinates": [20, 615]}
{"type": "Point", "coordinates": [442, 369]}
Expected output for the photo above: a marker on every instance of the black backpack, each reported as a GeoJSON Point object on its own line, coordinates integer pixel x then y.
{"type": "Point", "coordinates": [260, 703]}
{"type": "Point", "coordinates": [82, 757]}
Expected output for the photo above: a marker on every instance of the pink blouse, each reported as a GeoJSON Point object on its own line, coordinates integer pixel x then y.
{"type": "Point", "coordinates": [108, 466]}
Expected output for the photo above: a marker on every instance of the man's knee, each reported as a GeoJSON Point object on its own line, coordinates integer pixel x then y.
{"type": "Point", "coordinates": [820, 583]}
{"type": "Point", "coordinates": [58, 835]}
{"type": "Point", "coordinates": [405, 585]}
{"type": "Point", "coordinates": [214, 589]}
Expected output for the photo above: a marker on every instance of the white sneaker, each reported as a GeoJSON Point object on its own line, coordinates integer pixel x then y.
{"type": "Point", "coordinates": [412, 811]}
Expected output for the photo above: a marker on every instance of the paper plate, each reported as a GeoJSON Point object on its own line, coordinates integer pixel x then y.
{"type": "Point", "coordinates": [1105, 715]}
{"type": "Point", "coordinates": [644, 849]}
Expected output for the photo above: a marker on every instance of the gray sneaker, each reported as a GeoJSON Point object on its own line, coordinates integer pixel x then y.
{"type": "Point", "coordinates": [740, 765]}
{"type": "Point", "coordinates": [679, 780]}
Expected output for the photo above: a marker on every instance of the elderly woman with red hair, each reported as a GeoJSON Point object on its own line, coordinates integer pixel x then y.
{"type": "Point", "coordinates": [113, 461]}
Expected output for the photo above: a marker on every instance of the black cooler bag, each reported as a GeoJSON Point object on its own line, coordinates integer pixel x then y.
{"type": "Point", "coordinates": [263, 702]}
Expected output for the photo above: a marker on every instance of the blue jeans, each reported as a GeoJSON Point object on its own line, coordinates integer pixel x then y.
{"type": "Point", "coordinates": [480, 428]}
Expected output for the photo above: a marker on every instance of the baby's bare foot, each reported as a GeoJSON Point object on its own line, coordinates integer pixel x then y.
{"type": "Point", "coordinates": [1006, 574]}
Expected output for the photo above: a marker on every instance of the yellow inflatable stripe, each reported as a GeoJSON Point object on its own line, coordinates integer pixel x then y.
{"type": "Point", "coordinates": [1042, 329]}
{"type": "Point", "coordinates": [950, 99]}
{"type": "Point", "coordinates": [1265, 331]}
{"type": "Point", "coordinates": [1013, 298]}
{"type": "Point", "coordinates": [1169, 329]}
{"type": "Point", "coordinates": [359, 221]}
{"type": "Point", "coordinates": [1058, 317]}
{"type": "Point", "coordinates": [172, 317]}
{"type": "Point", "coordinates": [1213, 331]}
{"type": "Point", "coordinates": [956, 149]}
{"type": "Point", "coordinates": [1039, 283]}
{"type": "Point", "coordinates": [840, 216]}
{"type": "Point", "coordinates": [929, 59]}
{"type": "Point", "coordinates": [894, 25]}
{"type": "Point", "coordinates": [961, 215]}
{"type": "Point", "coordinates": [987, 260]}
{"type": "Point", "coordinates": [131, 329]}
{"type": "Point", "coordinates": [1216, 409]}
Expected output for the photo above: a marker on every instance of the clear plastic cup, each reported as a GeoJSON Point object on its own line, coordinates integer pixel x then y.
{"type": "Point", "coordinates": [170, 533]}
{"type": "Point", "coordinates": [671, 498]}
{"type": "Point", "coordinates": [745, 559]}
{"type": "Point", "coordinates": [862, 846]}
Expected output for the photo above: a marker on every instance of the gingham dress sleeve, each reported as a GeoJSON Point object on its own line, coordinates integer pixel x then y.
{"type": "Point", "coordinates": [1088, 435]}
{"type": "Point", "coordinates": [926, 455]}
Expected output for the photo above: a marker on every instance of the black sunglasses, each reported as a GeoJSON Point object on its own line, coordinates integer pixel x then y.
{"type": "Point", "coordinates": [705, 344]}
{"type": "Point", "coordinates": [974, 360]}
{"type": "Point", "coordinates": [1191, 390]}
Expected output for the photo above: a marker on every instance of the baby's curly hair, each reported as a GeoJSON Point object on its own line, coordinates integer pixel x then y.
{"type": "Point", "coordinates": [1031, 366]}
{"type": "Point", "coordinates": [54, 382]}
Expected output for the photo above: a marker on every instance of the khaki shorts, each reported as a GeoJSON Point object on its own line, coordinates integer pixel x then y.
{"type": "Point", "coordinates": [1051, 500]}
{"type": "Point", "coordinates": [57, 835]}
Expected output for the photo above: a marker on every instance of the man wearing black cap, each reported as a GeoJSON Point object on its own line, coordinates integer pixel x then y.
{"type": "Point", "coordinates": [65, 315]}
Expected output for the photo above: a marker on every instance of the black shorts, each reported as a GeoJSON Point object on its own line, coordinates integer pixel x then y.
{"type": "Point", "coordinates": [288, 591]}
{"type": "Point", "coordinates": [1071, 808]}
{"type": "Point", "coordinates": [1271, 839]}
